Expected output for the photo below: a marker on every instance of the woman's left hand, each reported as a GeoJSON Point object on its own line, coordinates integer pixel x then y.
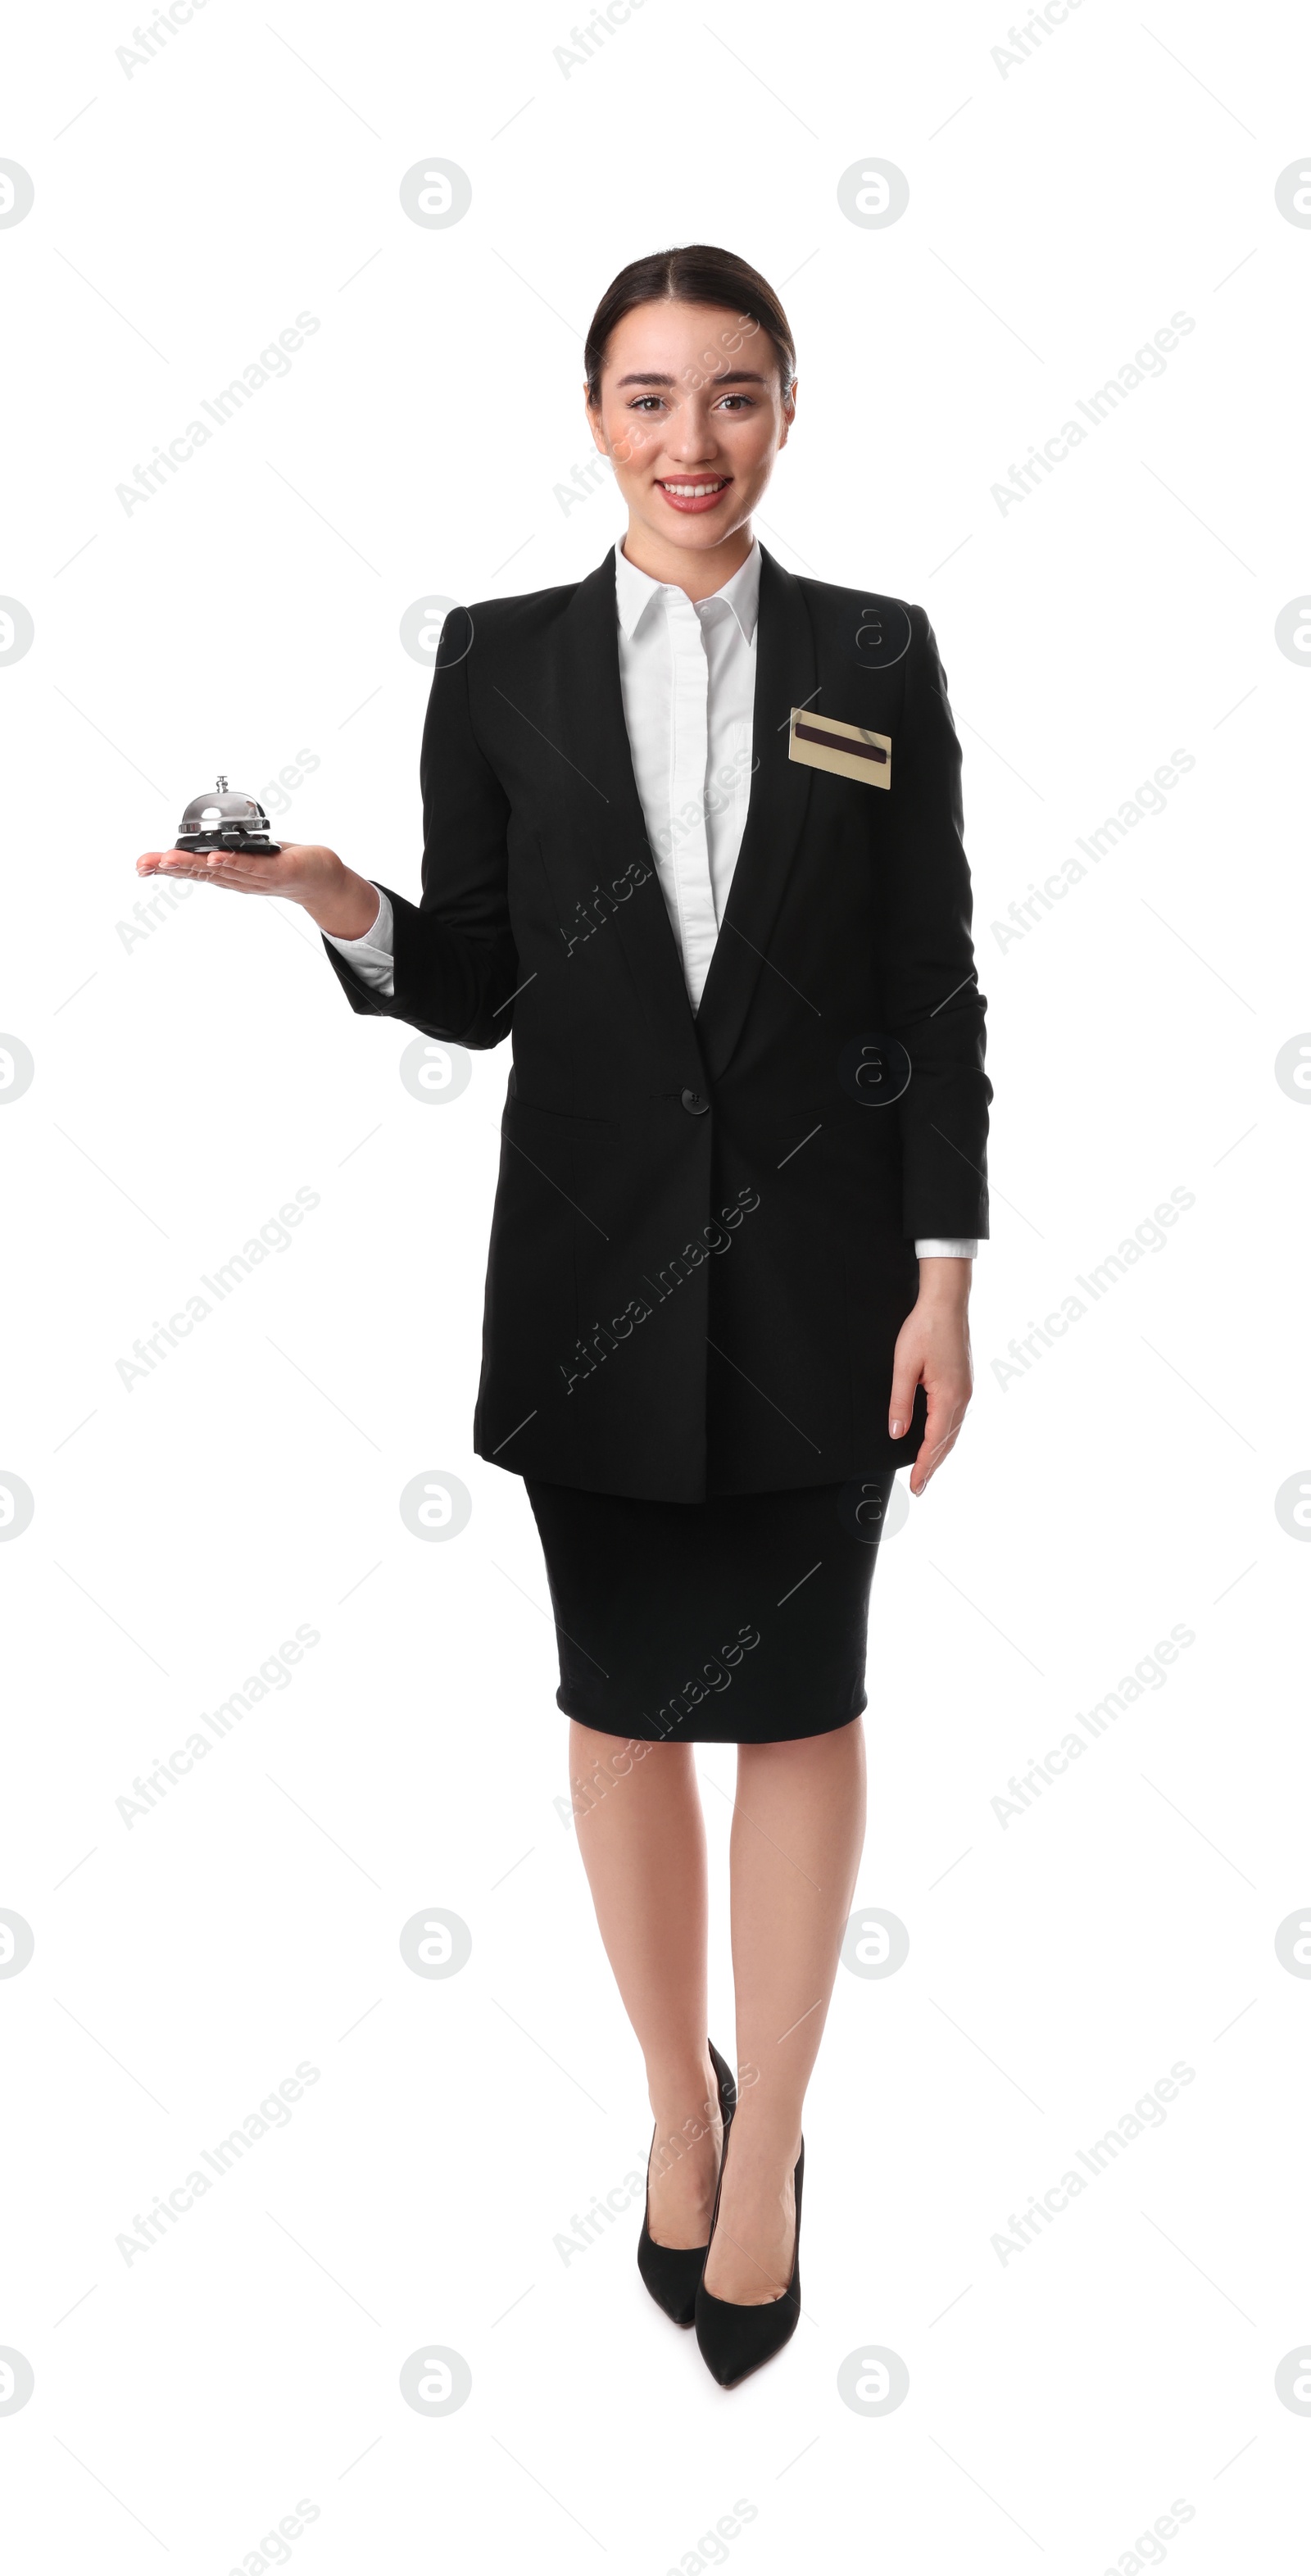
{"type": "Point", "coordinates": [933, 1351]}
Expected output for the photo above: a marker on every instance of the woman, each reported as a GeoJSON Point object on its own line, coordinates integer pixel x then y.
{"type": "Point", "coordinates": [692, 830]}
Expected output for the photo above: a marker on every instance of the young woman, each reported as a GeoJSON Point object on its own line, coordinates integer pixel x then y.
{"type": "Point", "coordinates": [692, 833]}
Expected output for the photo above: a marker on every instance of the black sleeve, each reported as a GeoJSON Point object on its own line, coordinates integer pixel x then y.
{"type": "Point", "coordinates": [456, 969]}
{"type": "Point", "coordinates": [934, 1005]}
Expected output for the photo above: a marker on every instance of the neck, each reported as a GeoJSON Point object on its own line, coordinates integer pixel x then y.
{"type": "Point", "coordinates": [699, 574]}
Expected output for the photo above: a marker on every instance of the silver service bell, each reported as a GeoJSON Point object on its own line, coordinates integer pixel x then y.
{"type": "Point", "coordinates": [226, 819]}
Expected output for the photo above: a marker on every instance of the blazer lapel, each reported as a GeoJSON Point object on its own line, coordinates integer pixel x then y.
{"type": "Point", "coordinates": [776, 812]}
{"type": "Point", "coordinates": [590, 728]}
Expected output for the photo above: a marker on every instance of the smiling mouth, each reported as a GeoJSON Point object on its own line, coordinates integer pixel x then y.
{"type": "Point", "coordinates": [695, 491]}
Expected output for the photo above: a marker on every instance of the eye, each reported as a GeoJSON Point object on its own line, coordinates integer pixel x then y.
{"type": "Point", "coordinates": [744, 399]}
{"type": "Point", "coordinates": [641, 400]}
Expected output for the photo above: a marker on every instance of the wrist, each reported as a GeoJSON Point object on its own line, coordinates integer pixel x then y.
{"type": "Point", "coordinates": [346, 906]}
{"type": "Point", "coordinates": [945, 1278]}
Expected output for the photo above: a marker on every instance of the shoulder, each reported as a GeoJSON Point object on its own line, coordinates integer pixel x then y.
{"type": "Point", "coordinates": [524, 612]}
{"type": "Point", "coordinates": [840, 611]}
{"type": "Point", "coordinates": [837, 599]}
{"type": "Point", "coordinates": [875, 630]}
{"type": "Point", "coordinates": [507, 632]}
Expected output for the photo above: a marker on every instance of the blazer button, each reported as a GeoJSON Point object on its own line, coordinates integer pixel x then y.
{"type": "Point", "coordinates": [696, 1103]}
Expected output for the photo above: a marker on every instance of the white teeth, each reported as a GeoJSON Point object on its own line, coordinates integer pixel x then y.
{"type": "Point", "coordinates": [695, 491]}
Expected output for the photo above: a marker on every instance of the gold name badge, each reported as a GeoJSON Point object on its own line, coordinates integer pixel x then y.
{"type": "Point", "coordinates": [850, 751]}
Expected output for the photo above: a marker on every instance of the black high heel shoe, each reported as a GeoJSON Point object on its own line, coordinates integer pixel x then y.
{"type": "Point", "coordinates": [671, 2272]}
{"type": "Point", "coordinates": [735, 2340]}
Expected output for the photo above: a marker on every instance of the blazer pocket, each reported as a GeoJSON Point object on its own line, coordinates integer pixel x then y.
{"type": "Point", "coordinates": [552, 1111]}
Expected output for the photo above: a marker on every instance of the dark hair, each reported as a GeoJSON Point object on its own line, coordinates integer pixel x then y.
{"type": "Point", "coordinates": [696, 274]}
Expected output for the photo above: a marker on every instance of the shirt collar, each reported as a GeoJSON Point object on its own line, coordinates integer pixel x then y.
{"type": "Point", "coordinates": [634, 592]}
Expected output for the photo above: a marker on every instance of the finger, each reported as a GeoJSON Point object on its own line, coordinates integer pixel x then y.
{"type": "Point", "coordinates": [941, 1429]}
{"type": "Point", "coordinates": [235, 869]}
{"type": "Point", "coordinates": [193, 869]}
{"type": "Point", "coordinates": [226, 868]}
{"type": "Point", "coordinates": [231, 878]}
{"type": "Point", "coordinates": [905, 1379]}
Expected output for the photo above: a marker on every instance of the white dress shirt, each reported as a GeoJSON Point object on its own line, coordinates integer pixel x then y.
{"type": "Point", "coordinates": [687, 671]}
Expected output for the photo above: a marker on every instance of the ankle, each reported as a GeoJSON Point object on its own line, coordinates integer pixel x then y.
{"type": "Point", "coordinates": [766, 2137]}
{"type": "Point", "coordinates": [683, 2086]}
{"type": "Point", "coordinates": [685, 2106]}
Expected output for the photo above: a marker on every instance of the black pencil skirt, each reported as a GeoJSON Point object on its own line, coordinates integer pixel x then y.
{"type": "Point", "coordinates": [741, 1620]}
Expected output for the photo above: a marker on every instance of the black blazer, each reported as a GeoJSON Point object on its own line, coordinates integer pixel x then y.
{"type": "Point", "coordinates": [702, 1246]}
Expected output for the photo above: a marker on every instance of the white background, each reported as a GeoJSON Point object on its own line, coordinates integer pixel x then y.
{"type": "Point", "coordinates": [189, 1081]}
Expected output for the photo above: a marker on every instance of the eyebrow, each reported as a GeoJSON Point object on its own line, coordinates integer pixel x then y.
{"type": "Point", "coordinates": [734, 376]}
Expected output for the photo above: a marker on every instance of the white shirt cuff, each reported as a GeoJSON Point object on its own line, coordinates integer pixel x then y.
{"type": "Point", "coordinates": [372, 958]}
{"type": "Point", "coordinates": [946, 1247]}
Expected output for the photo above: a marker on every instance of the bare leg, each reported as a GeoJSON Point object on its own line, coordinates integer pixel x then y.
{"type": "Point", "coordinates": [798, 1828]}
{"type": "Point", "coordinates": [642, 1838]}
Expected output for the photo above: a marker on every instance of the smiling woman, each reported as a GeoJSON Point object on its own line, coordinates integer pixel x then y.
{"type": "Point", "coordinates": [710, 417]}
{"type": "Point", "coordinates": [749, 782]}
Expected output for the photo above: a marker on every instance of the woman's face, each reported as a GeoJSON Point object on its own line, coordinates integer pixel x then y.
{"type": "Point", "coordinates": [691, 416]}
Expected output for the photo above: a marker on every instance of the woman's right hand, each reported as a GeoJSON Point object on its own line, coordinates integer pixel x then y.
{"type": "Point", "coordinates": [342, 903]}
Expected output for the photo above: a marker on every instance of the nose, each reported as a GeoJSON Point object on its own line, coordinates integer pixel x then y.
{"type": "Point", "coordinates": [692, 438]}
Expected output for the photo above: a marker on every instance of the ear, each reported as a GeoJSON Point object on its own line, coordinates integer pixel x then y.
{"type": "Point", "coordinates": [789, 414]}
{"type": "Point", "coordinates": [592, 414]}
